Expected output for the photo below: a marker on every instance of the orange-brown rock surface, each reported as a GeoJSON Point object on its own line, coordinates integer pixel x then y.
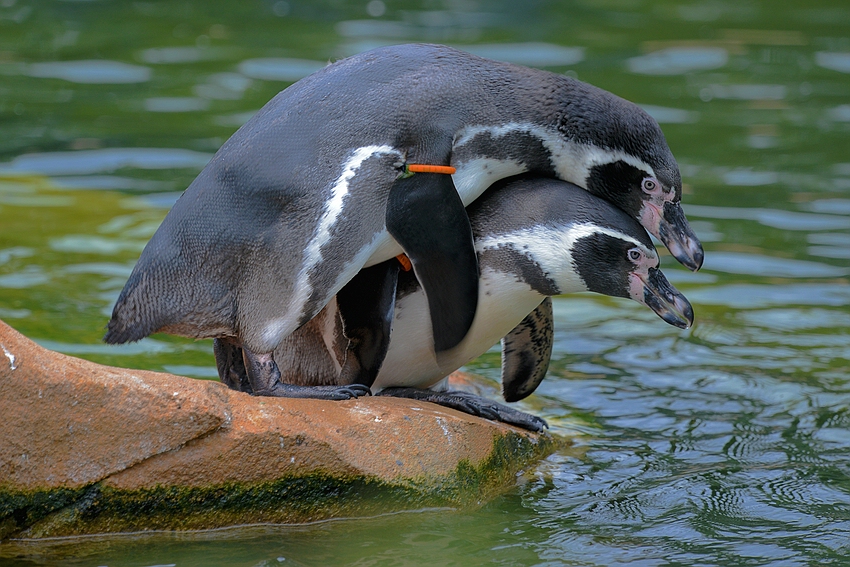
{"type": "Point", "coordinates": [88, 448]}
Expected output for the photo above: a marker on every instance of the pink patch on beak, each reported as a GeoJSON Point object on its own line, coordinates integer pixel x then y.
{"type": "Point", "coordinates": [637, 287]}
{"type": "Point", "coordinates": [650, 218]}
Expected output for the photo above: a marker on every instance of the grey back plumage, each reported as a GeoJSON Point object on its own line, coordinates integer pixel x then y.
{"type": "Point", "coordinates": [227, 257]}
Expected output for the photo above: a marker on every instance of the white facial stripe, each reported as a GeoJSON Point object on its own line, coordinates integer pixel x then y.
{"type": "Point", "coordinates": [467, 134]}
{"type": "Point", "coordinates": [339, 191]}
{"type": "Point", "coordinates": [551, 248]}
{"type": "Point", "coordinates": [313, 254]}
{"type": "Point", "coordinates": [572, 161]}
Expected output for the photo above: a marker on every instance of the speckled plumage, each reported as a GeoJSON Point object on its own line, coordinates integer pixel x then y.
{"type": "Point", "coordinates": [512, 305]}
{"type": "Point", "coordinates": [308, 191]}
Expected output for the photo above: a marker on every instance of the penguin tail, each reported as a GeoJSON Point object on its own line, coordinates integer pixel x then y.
{"type": "Point", "coordinates": [132, 317]}
{"type": "Point", "coordinates": [118, 332]}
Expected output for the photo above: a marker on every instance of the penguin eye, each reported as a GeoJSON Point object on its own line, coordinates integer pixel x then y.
{"type": "Point", "coordinates": [649, 185]}
{"type": "Point", "coordinates": [634, 255]}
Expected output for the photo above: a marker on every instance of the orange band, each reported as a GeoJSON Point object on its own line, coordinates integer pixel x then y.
{"type": "Point", "coordinates": [405, 262]}
{"type": "Point", "coordinates": [425, 168]}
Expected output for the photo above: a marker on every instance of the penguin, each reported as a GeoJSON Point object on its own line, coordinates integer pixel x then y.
{"type": "Point", "coordinates": [534, 238]}
{"type": "Point", "coordinates": [370, 157]}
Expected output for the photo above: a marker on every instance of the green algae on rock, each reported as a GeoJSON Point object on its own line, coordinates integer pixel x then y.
{"type": "Point", "coordinates": [96, 449]}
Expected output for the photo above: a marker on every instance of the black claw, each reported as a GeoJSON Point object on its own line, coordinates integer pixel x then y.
{"type": "Point", "coordinates": [535, 424]}
{"type": "Point", "coordinates": [356, 390]}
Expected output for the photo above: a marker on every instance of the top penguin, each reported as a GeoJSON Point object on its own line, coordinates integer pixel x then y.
{"type": "Point", "coordinates": [316, 186]}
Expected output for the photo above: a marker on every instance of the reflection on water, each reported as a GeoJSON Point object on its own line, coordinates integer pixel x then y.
{"type": "Point", "coordinates": [178, 55]}
{"type": "Point", "coordinates": [95, 71]}
{"type": "Point", "coordinates": [678, 60]}
{"type": "Point", "coordinates": [532, 54]}
{"type": "Point", "coordinates": [666, 115]}
{"type": "Point", "coordinates": [175, 104]}
{"type": "Point", "coordinates": [85, 162]}
{"type": "Point", "coordinates": [279, 68]}
{"type": "Point", "coordinates": [785, 220]}
{"type": "Point", "coordinates": [726, 444]}
{"type": "Point", "coordinates": [758, 265]}
{"type": "Point", "coordinates": [835, 61]}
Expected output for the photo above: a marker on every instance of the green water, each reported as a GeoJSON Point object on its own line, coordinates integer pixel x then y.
{"type": "Point", "coordinates": [727, 444]}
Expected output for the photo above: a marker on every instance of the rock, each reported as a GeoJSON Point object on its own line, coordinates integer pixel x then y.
{"type": "Point", "coordinates": [88, 448]}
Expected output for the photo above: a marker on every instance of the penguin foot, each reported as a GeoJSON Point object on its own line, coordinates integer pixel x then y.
{"type": "Point", "coordinates": [264, 378]}
{"type": "Point", "coordinates": [471, 404]}
{"type": "Point", "coordinates": [282, 390]}
{"type": "Point", "coordinates": [231, 366]}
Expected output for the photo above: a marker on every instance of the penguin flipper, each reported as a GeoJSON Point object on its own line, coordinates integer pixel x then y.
{"type": "Point", "coordinates": [526, 352]}
{"type": "Point", "coordinates": [471, 404]}
{"type": "Point", "coordinates": [426, 217]}
{"type": "Point", "coordinates": [366, 305]}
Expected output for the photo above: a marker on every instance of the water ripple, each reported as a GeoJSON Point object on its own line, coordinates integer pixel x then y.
{"type": "Point", "coordinates": [175, 104]}
{"type": "Point", "coordinates": [95, 71]}
{"type": "Point", "coordinates": [678, 60]}
{"type": "Point", "coordinates": [144, 346]}
{"type": "Point", "coordinates": [183, 54]}
{"type": "Point", "coordinates": [754, 295]}
{"type": "Point", "coordinates": [26, 277]}
{"type": "Point", "coordinates": [279, 68]}
{"type": "Point", "coordinates": [837, 61]}
{"type": "Point", "coordinates": [744, 92]}
{"type": "Point", "coordinates": [830, 206]}
{"type": "Point", "coordinates": [85, 162]}
{"type": "Point", "coordinates": [90, 244]}
{"type": "Point", "coordinates": [223, 86]}
{"type": "Point", "coordinates": [841, 253]}
{"type": "Point", "coordinates": [666, 115]}
{"type": "Point", "coordinates": [784, 320]}
{"type": "Point", "coordinates": [785, 220]}
{"type": "Point", "coordinates": [758, 265]}
{"type": "Point", "coordinates": [8, 254]}
{"type": "Point", "coordinates": [534, 54]}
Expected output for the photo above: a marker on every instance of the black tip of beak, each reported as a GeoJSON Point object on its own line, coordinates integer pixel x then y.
{"type": "Point", "coordinates": [679, 238]}
{"type": "Point", "coordinates": [686, 317]}
{"type": "Point", "coordinates": [667, 302]}
{"type": "Point", "coordinates": [695, 257]}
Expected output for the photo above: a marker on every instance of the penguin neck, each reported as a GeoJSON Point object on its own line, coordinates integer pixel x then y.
{"type": "Point", "coordinates": [484, 154]}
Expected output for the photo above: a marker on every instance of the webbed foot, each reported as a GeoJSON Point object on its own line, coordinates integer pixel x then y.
{"type": "Point", "coordinates": [258, 374]}
{"type": "Point", "coordinates": [471, 404]}
{"type": "Point", "coordinates": [348, 392]}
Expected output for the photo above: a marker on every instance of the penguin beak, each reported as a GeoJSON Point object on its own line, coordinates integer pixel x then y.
{"type": "Point", "coordinates": [660, 296]}
{"type": "Point", "coordinates": [675, 232]}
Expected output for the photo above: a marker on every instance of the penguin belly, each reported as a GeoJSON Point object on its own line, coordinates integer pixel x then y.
{"type": "Point", "coordinates": [504, 300]}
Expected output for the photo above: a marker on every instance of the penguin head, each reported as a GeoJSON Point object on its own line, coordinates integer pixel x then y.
{"type": "Point", "coordinates": [618, 264]}
{"type": "Point", "coordinates": [628, 163]}
{"type": "Point", "coordinates": [558, 238]}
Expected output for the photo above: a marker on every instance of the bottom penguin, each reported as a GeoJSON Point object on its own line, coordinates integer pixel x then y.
{"type": "Point", "coordinates": [535, 238]}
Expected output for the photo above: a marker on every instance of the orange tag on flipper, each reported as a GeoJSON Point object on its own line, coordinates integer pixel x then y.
{"type": "Point", "coordinates": [425, 168]}
{"type": "Point", "coordinates": [405, 262]}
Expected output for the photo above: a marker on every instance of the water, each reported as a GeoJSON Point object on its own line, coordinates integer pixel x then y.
{"type": "Point", "coordinates": [724, 445]}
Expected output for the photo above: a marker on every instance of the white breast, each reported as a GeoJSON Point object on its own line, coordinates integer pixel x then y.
{"type": "Point", "coordinates": [503, 302]}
